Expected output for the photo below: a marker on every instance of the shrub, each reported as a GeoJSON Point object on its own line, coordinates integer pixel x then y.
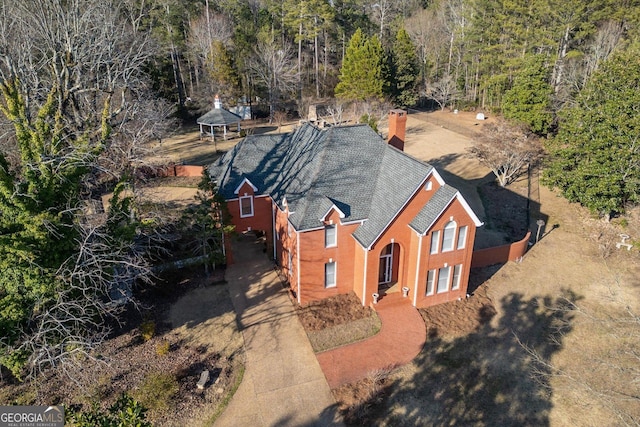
{"type": "Point", "coordinates": [125, 412]}
{"type": "Point", "coordinates": [147, 330]}
{"type": "Point", "coordinates": [157, 390]}
{"type": "Point", "coordinates": [162, 349]}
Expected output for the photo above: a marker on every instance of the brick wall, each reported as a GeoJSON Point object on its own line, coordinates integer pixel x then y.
{"type": "Point", "coordinates": [428, 261]}
{"type": "Point", "coordinates": [501, 254]}
{"type": "Point", "coordinates": [181, 170]}
{"type": "Point", "coordinates": [314, 255]}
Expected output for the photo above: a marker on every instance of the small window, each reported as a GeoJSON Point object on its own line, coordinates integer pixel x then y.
{"type": "Point", "coordinates": [431, 278]}
{"type": "Point", "coordinates": [289, 230]}
{"type": "Point", "coordinates": [429, 186]}
{"type": "Point", "coordinates": [462, 237]}
{"type": "Point", "coordinates": [448, 235]}
{"type": "Point", "coordinates": [246, 206]}
{"type": "Point", "coordinates": [290, 268]}
{"type": "Point", "coordinates": [457, 274]}
{"type": "Point", "coordinates": [443, 279]}
{"type": "Point", "coordinates": [435, 241]}
{"type": "Point", "coordinates": [330, 236]}
{"type": "Point", "coordinates": [330, 275]}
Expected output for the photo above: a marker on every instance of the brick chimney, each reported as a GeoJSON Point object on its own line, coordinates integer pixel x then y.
{"type": "Point", "coordinates": [397, 128]}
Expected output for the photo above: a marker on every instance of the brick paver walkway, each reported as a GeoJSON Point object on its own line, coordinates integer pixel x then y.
{"type": "Point", "coordinates": [400, 339]}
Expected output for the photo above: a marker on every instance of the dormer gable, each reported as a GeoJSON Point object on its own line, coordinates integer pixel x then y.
{"type": "Point", "coordinates": [434, 181]}
{"type": "Point", "coordinates": [246, 186]}
{"type": "Point", "coordinates": [435, 208]}
{"type": "Point", "coordinates": [333, 210]}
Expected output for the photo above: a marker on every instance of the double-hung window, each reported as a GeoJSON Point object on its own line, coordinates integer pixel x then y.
{"type": "Point", "coordinates": [457, 275]}
{"type": "Point", "coordinates": [462, 237]}
{"type": "Point", "coordinates": [448, 235]}
{"type": "Point", "coordinates": [246, 206]}
{"type": "Point", "coordinates": [443, 279]}
{"type": "Point", "coordinates": [330, 274]}
{"type": "Point", "coordinates": [435, 241]}
{"type": "Point", "coordinates": [431, 279]}
{"type": "Point", "coordinates": [330, 236]}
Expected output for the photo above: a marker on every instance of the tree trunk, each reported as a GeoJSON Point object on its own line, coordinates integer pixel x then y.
{"type": "Point", "coordinates": [176, 75]}
{"type": "Point", "coordinates": [316, 66]}
{"type": "Point", "coordinates": [300, 58]}
{"type": "Point", "coordinates": [451, 40]}
{"type": "Point", "coordinates": [558, 70]}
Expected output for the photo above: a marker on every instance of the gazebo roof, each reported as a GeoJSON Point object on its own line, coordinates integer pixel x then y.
{"type": "Point", "coordinates": [218, 117]}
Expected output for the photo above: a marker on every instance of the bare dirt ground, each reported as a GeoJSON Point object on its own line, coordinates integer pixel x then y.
{"type": "Point", "coordinates": [569, 309]}
{"type": "Point", "coordinates": [184, 325]}
{"type": "Point", "coordinates": [477, 367]}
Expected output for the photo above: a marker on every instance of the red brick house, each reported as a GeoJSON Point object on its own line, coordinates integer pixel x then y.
{"type": "Point", "coordinates": [345, 211]}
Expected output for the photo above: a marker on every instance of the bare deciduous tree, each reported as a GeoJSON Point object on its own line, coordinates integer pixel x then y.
{"type": "Point", "coordinates": [203, 32]}
{"type": "Point", "coordinates": [443, 91]}
{"type": "Point", "coordinates": [383, 12]}
{"type": "Point", "coordinates": [605, 368]}
{"type": "Point", "coordinates": [94, 287]}
{"type": "Point", "coordinates": [75, 95]}
{"type": "Point", "coordinates": [335, 112]}
{"type": "Point", "coordinates": [276, 69]}
{"type": "Point", "coordinates": [506, 150]}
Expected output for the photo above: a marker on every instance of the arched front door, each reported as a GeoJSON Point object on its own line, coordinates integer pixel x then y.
{"type": "Point", "coordinates": [388, 269]}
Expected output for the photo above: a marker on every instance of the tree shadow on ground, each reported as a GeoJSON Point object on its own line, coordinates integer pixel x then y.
{"type": "Point", "coordinates": [487, 377]}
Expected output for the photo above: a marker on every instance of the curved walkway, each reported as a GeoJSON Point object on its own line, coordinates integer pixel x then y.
{"type": "Point", "coordinates": [283, 384]}
{"type": "Point", "coordinates": [399, 341]}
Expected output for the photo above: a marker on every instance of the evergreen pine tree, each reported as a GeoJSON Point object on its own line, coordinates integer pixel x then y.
{"type": "Point", "coordinates": [361, 75]}
{"type": "Point", "coordinates": [224, 71]}
{"type": "Point", "coordinates": [595, 158]}
{"type": "Point", "coordinates": [529, 99]}
{"type": "Point", "coordinates": [405, 70]}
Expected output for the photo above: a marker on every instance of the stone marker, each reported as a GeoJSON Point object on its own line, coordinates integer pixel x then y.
{"type": "Point", "coordinates": [204, 377]}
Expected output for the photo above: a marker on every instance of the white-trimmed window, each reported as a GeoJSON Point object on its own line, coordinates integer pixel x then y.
{"type": "Point", "coordinates": [330, 274]}
{"type": "Point", "coordinates": [462, 237]}
{"type": "Point", "coordinates": [435, 241]}
{"type": "Point", "coordinates": [457, 275]}
{"type": "Point", "coordinates": [428, 186]}
{"type": "Point", "coordinates": [330, 236]}
{"type": "Point", "coordinates": [290, 260]}
{"type": "Point", "coordinates": [443, 279]}
{"type": "Point", "coordinates": [431, 280]}
{"type": "Point", "coordinates": [448, 236]}
{"type": "Point", "coordinates": [246, 206]}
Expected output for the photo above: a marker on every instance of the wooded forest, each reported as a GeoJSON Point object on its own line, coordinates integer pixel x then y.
{"type": "Point", "coordinates": [472, 50]}
{"type": "Point", "coordinates": [85, 83]}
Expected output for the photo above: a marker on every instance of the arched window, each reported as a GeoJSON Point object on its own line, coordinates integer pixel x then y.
{"type": "Point", "coordinates": [448, 236]}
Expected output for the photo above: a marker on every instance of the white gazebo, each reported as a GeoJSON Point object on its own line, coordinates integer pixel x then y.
{"type": "Point", "coordinates": [218, 117]}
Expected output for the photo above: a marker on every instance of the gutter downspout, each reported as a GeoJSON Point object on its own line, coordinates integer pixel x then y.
{"type": "Point", "coordinates": [364, 280]}
{"type": "Point", "coordinates": [415, 287]}
{"type": "Point", "coordinates": [273, 228]}
{"type": "Point", "coordinates": [298, 262]}
{"type": "Point", "coordinates": [224, 250]}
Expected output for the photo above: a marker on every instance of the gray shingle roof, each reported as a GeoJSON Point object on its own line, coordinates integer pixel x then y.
{"type": "Point", "coordinates": [432, 210]}
{"type": "Point", "coordinates": [348, 166]}
{"type": "Point", "coordinates": [218, 117]}
{"type": "Point", "coordinates": [398, 179]}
